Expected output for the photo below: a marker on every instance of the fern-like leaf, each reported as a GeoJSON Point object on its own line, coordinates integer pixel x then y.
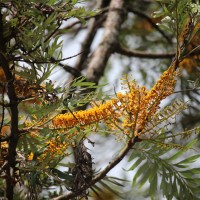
{"type": "Point", "coordinates": [175, 179]}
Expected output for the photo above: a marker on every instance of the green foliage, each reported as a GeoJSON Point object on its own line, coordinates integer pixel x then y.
{"type": "Point", "coordinates": [79, 93]}
{"type": "Point", "coordinates": [32, 32]}
{"type": "Point", "coordinates": [163, 172]}
{"type": "Point", "coordinates": [179, 18]}
{"type": "Point", "coordinates": [164, 118]}
{"type": "Point", "coordinates": [157, 160]}
{"type": "Point", "coordinates": [109, 184]}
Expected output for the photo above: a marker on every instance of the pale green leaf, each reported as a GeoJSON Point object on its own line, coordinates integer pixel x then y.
{"type": "Point", "coordinates": [189, 160]}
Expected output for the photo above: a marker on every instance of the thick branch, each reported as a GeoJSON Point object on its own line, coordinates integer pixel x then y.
{"type": "Point", "coordinates": [10, 169]}
{"type": "Point", "coordinates": [14, 129]}
{"type": "Point", "coordinates": [99, 58]}
{"type": "Point", "coordinates": [141, 54]}
{"type": "Point", "coordinates": [93, 25]}
{"type": "Point", "coordinates": [3, 110]}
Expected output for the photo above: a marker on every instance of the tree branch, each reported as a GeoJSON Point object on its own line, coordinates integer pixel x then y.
{"type": "Point", "coordinates": [102, 11]}
{"type": "Point", "coordinates": [98, 60]}
{"type": "Point", "coordinates": [137, 12]}
{"type": "Point", "coordinates": [141, 54]}
{"type": "Point", "coordinates": [68, 68]}
{"type": "Point", "coordinates": [3, 109]}
{"type": "Point", "coordinates": [52, 60]}
{"type": "Point", "coordinates": [93, 25]}
{"type": "Point", "coordinates": [76, 73]}
{"type": "Point", "coordinates": [186, 90]}
{"type": "Point", "coordinates": [6, 105]}
{"type": "Point", "coordinates": [14, 137]}
{"type": "Point", "coordinates": [4, 139]}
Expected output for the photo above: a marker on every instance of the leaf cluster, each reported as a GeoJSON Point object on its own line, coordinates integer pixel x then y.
{"type": "Point", "coordinates": [31, 34]}
{"type": "Point", "coordinates": [180, 18]}
{"type": "Point", "coordinates": [175, 13]}
{"type": "Point", "coordinates": [164, 118]}
{"type": "Point", "coordinates": [163, 171]}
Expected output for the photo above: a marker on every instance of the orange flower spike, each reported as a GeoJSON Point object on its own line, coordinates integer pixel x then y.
{"type": "Point", "coordinates": [133, 106]}
{"type": "Point", "coordinates": [85, 117]}
{"type": "Point", "coordinates": [163, 88]}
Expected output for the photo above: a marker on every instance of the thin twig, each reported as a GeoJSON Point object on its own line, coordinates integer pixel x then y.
{"type": "Point", "coordinates": [102, 11]}
{"type": "Point", "coordinates": [177, 33]}
{"type": "Point", "coordinates": [192, 89]}
{"type": "Point", "coordinates": [3, 109]}
{"type": "Point", "coordinates": [191, 52]}
{"type": "Point", "coordinates": [141, 54]}
{"type": "Point", "coordinates": [5, 105]}
{"type": "Point", "coordinates": [68, 68]}
{"type": "Point", "coordinates": [140, 14]}
{"type": "Point", "coordinates": [52, 60]}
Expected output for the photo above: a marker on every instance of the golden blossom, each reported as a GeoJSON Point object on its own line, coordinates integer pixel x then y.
{"type": "Point", "coordinates": [129, 111]}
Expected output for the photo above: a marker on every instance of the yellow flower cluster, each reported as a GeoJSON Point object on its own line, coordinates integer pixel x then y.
{"type": "Point", "coordinates": [163, 88]}
{"type": "Point", "coordinates": [56, 146]}
{"type": "Point", "coordinates": [129, 112]}
{"type": "Point", "coordinates": [132, 107]}
{"type": "Point", "coordinates": [86, 117]}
